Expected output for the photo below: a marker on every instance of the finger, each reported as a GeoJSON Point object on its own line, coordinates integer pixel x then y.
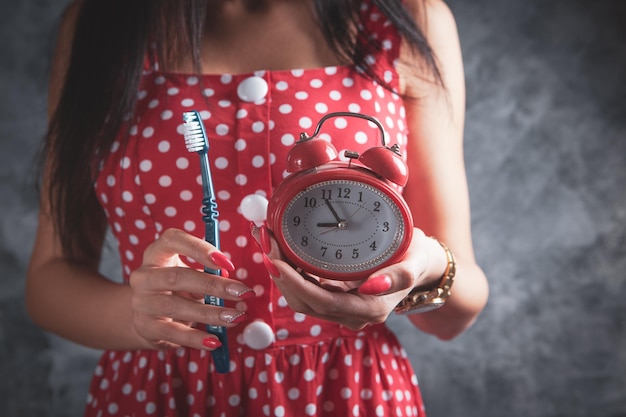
{"type": "Point", "coordinates": [401, 276]}
{"type": "Point", "coordinates": [184, 310]}
{"type": "Point", "coordinates": [166, 250]}
{"type": "Point", "coordinates": [315, 300]}
{"type": "Point", "coordinates": [183, 279]}
{"type": "Point", "coordinates": [166, 334]}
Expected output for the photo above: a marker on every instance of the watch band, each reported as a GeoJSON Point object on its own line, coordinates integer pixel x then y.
{"type": "Point", "coordinates": [421, 300]}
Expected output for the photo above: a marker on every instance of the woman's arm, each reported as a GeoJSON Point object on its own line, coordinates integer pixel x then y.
{"type": "Point", "coordinates": [66, 297]}
{"type": "Point", "coordinates": [70, 298]}
{"type": "Point", "coordinates": [437, 190]}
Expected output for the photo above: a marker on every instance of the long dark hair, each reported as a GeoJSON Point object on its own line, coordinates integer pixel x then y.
{"type": "Point", "coordinates": [99, 92]}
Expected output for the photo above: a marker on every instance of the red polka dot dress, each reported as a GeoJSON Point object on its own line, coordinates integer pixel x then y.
{"type": "Point", "coordinates": [152, 183]}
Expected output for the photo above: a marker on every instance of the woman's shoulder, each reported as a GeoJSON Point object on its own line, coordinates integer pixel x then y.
{"type": "Point", "coordinates": [431, 15]}
{"type": "Point", "coordinates": [62, 51]}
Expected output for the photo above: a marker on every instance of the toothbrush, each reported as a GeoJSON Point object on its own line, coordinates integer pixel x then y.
{"type": "Point", "coordinates": [196, 141]}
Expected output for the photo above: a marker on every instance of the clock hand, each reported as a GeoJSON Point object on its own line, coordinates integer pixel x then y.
{"type": "Point", "coordinates": [341, 225]}
{"type": "Point", "coordinates": [332, 210]}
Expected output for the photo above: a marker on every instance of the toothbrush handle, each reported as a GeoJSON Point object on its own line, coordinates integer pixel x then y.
{"type": "Point", "coordinates": [221, 357]}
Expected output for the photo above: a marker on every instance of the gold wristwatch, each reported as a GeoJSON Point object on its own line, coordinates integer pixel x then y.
{"type": "Point", "coordinates": [421, 300]}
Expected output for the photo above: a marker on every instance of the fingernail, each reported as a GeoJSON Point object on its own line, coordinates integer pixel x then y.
{"type": "Point", "coordinates": [264, 237]}
{"type": "Point", "coordinates": [376, 285]}
{"type": "Point", "coordinates": [233, 316]}
{"type": "Point", "coordinates": [221, 260]}
{"type": "Point", "coordinates": [211, 342]}
{"type": "Point", "coordinates": [240, 291]}
{"type": "Point", "coordinates": [271, 268]}
{"type": "Point", "coordinates": [224, 273]}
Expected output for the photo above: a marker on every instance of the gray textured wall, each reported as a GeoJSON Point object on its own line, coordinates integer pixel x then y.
{"type": "Point", "coordinates": [546, 153]}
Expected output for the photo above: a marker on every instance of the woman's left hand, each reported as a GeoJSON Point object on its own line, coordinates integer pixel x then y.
{"type": "Point", "coordinates": [354, 304]}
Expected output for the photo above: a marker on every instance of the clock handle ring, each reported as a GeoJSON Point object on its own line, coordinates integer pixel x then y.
{"type": "Point", "coordinates": [304, 137]}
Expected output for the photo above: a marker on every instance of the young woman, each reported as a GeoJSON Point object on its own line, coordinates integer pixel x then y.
{"type": "Point", "coordinates": [123, 74]}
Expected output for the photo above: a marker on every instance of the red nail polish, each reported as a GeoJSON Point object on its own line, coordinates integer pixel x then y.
{"type": "Point", "coordinates": [264, 237]}
{"type": "Point", "coordinates": [376, 285]}
{"type": "Point", "coordinates": [219, 259]}
{"type": "Point", "coordinates": [211, 342]}
{"type": "Point", "coordinates": [271, 268]}
{"type": "Point", "coordinates": [225, 273]}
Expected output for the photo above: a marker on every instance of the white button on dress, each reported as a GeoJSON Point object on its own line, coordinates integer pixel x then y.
{"type": "Point", "coordinates": [252, 89]}
{"type": "Point", "coordinates": [258, 335]}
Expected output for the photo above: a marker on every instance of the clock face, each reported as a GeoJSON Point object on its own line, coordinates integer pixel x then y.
{"type": "Point", "coordinates": [344, 228]}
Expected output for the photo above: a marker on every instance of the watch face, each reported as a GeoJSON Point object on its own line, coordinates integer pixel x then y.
{"type": "Point", "coordinates": [343, 227]}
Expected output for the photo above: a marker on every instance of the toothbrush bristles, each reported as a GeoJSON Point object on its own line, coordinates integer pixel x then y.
{"type": "Point", "coordinates": [193, 131]}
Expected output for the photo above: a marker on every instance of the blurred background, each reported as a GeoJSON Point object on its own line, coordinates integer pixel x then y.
{"type": "Point", "coordinates": [546, 159]}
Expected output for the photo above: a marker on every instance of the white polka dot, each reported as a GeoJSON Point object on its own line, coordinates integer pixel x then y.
{"type": "Point", "coordinates": [281, 86]}
{"type": "Point", "coordinates": [293, 393]}
{"type": "Point", "coordinates": [309, 374]}
{"type": "Point", "coordinates": [297, 72]}
{"type": "Point", "coordinates": [127, 389]}
{"type": "Point", "coordinates": [167, 114]}
{"type": "Point", "coordinates": [127, 196]}
{"type": "Point", "coordinates": [346, 393]}
{"type": "Point", "coordinates": [299, 317]}
{"type": "Point", "coordinates": [221, 129]}
{"type": "Point", "coordinates": [316, 83]}
{"type": "Point", "coordinates": [189, 226]}
{"type": "Point", "coordinates": [221, 163]}
{"type": "Point", "coordinates": [279, 411]}
{"type": "Point", "coordinates": [182, 163]}
{"type": "Point", "coordinates": [305, 122]}
{"type": "Point", "coordinates": [287, 139]}
{"type": "Point", "coordinates": [145, 165]}
{"type": "Point", "coordinates": [341, 123]}
{"type": "Point", "coordinates": [301, 95]}
{"type": "Point", "coordinates": [186, 195]}
{"type": "Point", "coordinates": [360, 137]}
{"type": "Point", "coordinates": [347, 82]}
{"type": "Point", "coordinates": [223, 195]}
{"type": "Point", "coordinates": [240, 145]}
{"type": "Point", "coordinates": [224, 225]}
{"type": "Point", "coordinates": [125, 162]}
{"type": "Point", "coordinates": [335, 95]}
{"type": "Point", "coordinates": [113, 408]}
{"type": "Point", "coordinates": [258, 127]}
{"type": "Point", "coordinates": [141, 396]}
{"type": "Point", "coordinates": [380, 411]}
{"type": "Point", "coordinates": [172, 91]}
{"type": "Point", "coordinates": [148, 132]}
{"type": "Point", "coordinates": [151, 408]}
{"type": "Point", "coordinates": [279, 377]}
{"type": "Point", "coordinates": [187, 102]}
{"type": "Point", "coordinates": [164, 146]}
{"type": "Point", "coordinates": [316, 330]}
{"type": "Point", "coordinates": [366, 95]}
{"type": "Point", "coordinates": [234, 400]}
{"type": "Point", "coordinates": [241, 179]}
{"type": "Point", "coordinates": [321, 108]}
{"type": "Point", "coordinates": [165, 181]}
{"type": "Point", "coordinates": [285, 109]}
{"type": "Point", "coordinates": [355, 108]}
{"type": "Point", "coordinates": [310, 410]}
{"type": "Point", "coordinates": [170, 211]}
{"type": "Point", "coordinates": [258, 161]}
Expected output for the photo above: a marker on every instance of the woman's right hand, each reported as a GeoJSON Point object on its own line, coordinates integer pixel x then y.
{"type": "Point", "coordinates": [167, 295]}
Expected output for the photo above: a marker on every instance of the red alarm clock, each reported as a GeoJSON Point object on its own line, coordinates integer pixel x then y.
{"type": "Point", "coordinates": [341, 220]}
